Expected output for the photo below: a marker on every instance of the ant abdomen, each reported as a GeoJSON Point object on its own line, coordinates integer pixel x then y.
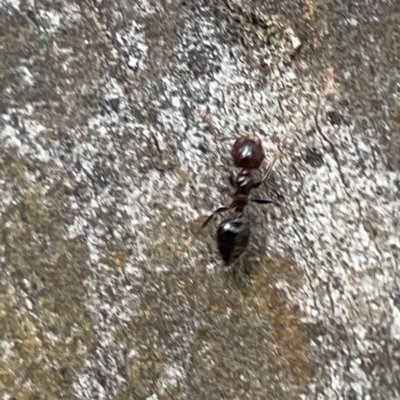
{"type": "Point", "coordinates": [233, 237]}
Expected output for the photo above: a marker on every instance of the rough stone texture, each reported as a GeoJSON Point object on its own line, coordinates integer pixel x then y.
{"type": "Point", "coordinates": [108, 163]}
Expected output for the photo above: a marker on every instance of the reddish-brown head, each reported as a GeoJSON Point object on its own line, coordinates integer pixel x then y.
{"type": "Point", "coordinates": [247, 152]}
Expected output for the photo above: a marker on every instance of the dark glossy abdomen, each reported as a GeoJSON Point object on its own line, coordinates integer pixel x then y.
{"type": "Point", "coordinates": [233, 238]}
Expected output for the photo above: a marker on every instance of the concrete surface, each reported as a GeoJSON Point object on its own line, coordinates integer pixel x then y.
{"type": "Point", "coordinates": [108, 164]}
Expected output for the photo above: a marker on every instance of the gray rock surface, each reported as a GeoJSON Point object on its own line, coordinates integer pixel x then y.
{"type": "Point", "coordinates": [108, 163]}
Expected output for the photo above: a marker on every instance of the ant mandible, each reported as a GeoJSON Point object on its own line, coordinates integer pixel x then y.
{"type": "Point", "coordinates": [234, 233]}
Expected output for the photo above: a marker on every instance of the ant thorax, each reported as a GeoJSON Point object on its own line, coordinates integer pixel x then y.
{"type": "Point", "coordinates": [244, 182]}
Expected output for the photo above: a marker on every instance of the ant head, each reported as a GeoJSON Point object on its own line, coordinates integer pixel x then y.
{"type": "Point", "coordinates": [247, 152]}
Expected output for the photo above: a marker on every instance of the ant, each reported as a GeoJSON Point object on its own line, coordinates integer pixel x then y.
{"type": "Point", "coordinates": [234, 233]}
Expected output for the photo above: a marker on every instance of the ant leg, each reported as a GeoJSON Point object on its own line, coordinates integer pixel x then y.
{"type": "Point", "coordinates": [269, 169]}
{"type": "Point", "coordinates": [188, 242]}
{"type": "Point", "coordinates": [231, 179]}
{"type": "Point", "coordinates": [265, 201]}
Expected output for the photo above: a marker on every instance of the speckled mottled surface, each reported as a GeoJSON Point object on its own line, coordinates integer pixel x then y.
{"type": "Point", "coordinates": [107, 165]}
